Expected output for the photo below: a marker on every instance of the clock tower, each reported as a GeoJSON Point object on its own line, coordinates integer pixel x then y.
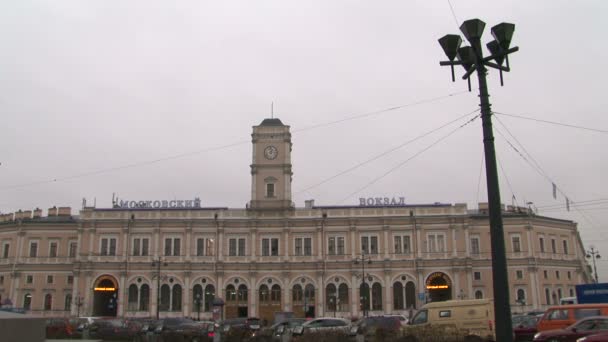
{"type": "Point", "coordinates": [271, 166]}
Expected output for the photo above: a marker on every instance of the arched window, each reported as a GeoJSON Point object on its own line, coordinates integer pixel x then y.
{"type": "Point", "coordinates": [521, 296]}
{"type": "Point", "coordinates": [309, 294]}
{"type": "Point", "coordinates": [176, 298]}
{"type": "Point", "coordinates": [27, 301]}
{"type": "Point", "coordinates": [264, 294]}
{"type": "Point", "coordinates": [67, 304]}
{"type": "Point", "coordinates": [48, 302]}
{"type": "Point", "coordinates": [478, 294]}
{"type": "Point", "coordinates": [377, 297]}
{"type": "Point", "coordinates": [209, 296]}
{"type": "Point", "coordinates": [410, 295]}
{"type": "Point", "coordinates": [165, 297]}
{"type": "Point", "coordinates": [343, 296]}
{"type": "Point", "coordinates": [398, 300]}
{"type": "Point", "coordinates": [197, 298]}
{"type": "Point", "coordinates": [275, 293]}
{"type": "Point", "coordinates": [230, 293]}
{"type": "Point", "coordinates": [144, 298]}
{"type": "Point", "coordinates": [133, 292]}
{"type": "Point", "coordinates": [297, 294]}
{"type": "Point", "coordinates": [242, 293]}
{"type": "Point", "coordinates": [331, 297]}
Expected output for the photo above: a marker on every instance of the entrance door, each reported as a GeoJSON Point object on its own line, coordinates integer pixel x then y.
{"type": "Point", "coordinates": [105, 299]}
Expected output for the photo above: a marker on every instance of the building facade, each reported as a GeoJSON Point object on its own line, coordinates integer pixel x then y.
{"type": "Point", "coordinates": [177, 258]}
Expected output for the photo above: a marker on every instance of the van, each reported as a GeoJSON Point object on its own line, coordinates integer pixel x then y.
{"type": "Point", "coordinates": [567, 300]}
{"type": "Point", "coordinates": [557, 317]}
{"type": "Point", "coordinates": [472, 317]}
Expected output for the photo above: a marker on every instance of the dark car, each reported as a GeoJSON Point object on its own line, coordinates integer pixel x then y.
{"type": "Point", "coordinates": [115, 329]}
{"type": "Point", "coordinates": [242, 328]}
{"type": "Point", "coordinates": [375, 328]}
{"type": "Point", "coordinates": [584, 327]}
{"type": "Point", "coordinates": [59, 328]}
{"type": "Point", "coordinates": [601, 337]}
{"type": "Point", "coordinates": [280, 331]}
{"type": "Point", "coordinates": [190, 332]}
{"type": "Point", "coordinates": [524, 327]}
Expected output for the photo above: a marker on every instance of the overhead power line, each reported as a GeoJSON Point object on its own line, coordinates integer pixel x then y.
{"type": "Point", "coordinates": [216, 148]}
{"type": "Point", "coordinates": [378, 156]}
{"type": "Point", "coordinates": [553, 122]}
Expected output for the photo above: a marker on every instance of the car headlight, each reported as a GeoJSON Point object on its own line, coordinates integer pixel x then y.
{"type": "Point", "coordinates": [537, 335]}
{"type": "Point", "coordinates": [582, 339]}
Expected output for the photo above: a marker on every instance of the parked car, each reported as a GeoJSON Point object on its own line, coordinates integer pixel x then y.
{"type": "Point", "coordinates": [115, 329]}
{"type": "Point", "coordinates": [59, 328]}
{"type": "Point", "coordinates": [242, 328]}
{"type": "Point", "coordinates": [375, 328]}
{"type": "Point", "coordinates": [601, 337]}
{"type": "Point", "coordinates": [280, 331]}
{"type": "Point", "coordinates": [203, 331]}
{"type": "Point", "coordinates": [557, 317]}
{"type": "Point", "coordinates": [323, 325]}
{"type": "Point", "coordinates": [524, 327]}
{"type": "Point", "coordinates": [584, 327]}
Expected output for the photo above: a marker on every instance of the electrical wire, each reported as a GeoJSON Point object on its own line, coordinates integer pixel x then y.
{"type": "Point", "coordinates": [407, 160]}
{"type": "Point", "coordinates": [378, 156]}
{"type": "Point", "coordinates": [553, 122]}
{"type": "Point", "coordinates": [454, 14]}
{"type": "Point", "coordinates": [217, 148]}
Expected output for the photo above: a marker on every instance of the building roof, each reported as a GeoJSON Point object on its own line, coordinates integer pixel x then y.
{"type": "Point", "coordinates": [271, 122]}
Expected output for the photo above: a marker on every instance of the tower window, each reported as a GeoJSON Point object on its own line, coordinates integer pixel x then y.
{"type": "Point", "coordinates": [270, 190]}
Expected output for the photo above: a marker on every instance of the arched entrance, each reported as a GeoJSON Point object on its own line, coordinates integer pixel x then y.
{"type": "Point", "coordinates": [105, 297]}
{"type": "Point", "coordinates": [438, 287]}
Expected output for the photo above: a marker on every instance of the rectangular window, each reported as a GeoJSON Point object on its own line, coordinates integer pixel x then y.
{"type": "Point", "coordinates": [200, 247]}
{"type": "Point", "coordinates": [1, 280]}
{"type": "Point", "coordinates": [331, 246]}
{"type": "Point", "coordinates": [29, 279]}
{"type": "Point", "coordinates": [476, 275]}
{"type": "Point", "coordinates": [298, 247]}
{"type": "Point", "coordinates": [73, 249]}
{"type": "Point", "coordinates": [173, 246]}
{"type": "Point", "coordinates": [232, 247]}
{"type": "Point", "coordinates": [70, 280]}
{"type": "Point", "coordinates": [136, 246]}
{"type": "Point", "coordinates": [398, 245]}
{"type": "Point", "coordinates": [546, 274]}
{"type": "Point", "coordinates": [475, 245]}
{"type": "Point", "coordinates": [553, 246]}
{"type": "Point", "coordinates": [516, 244]}
{"type": "Point", "coordinates": [145, 243]}
{"type": "Point", "coordinates": [340, 245]}
{"type": "Point", "coordinates": [53, 250]}
{"type": "Point", "coordinates": [365, 244]}
{"type": "Point", "coordinates": [374, 245]}
{"type": "Point", "coordinates": [565, 245]}
{"type": "Point", "coordinates": [209, 247]}
{"type": "Point", "coordinates": [270, 190]}
{"type": "Point", "coordinates": [407, 245]}
{"type": "Point", "coordinates": [541, 241]}
{"type": "Point", "coordinates": [274, 247]}
{"type": "Point", "coordinates": [556, 274]}
{"type": "Point", "coordinates": [108, 246]}
{"type": "Point", "coordinates": [436, 243]}
{"type": "Point", "coordinates": [49, 279]}
{"type": "Point", "coordinates": [519, 274]}
{"type": "Point", "coordinates": [5, 249]}
{"type": "Point", "coordinates": [265, 247]}
{"type": "Point", "coordinates": [241, 247]}
{"type": "Point", "coordinates": [307, 246]}
{"type": "Point", "coordinates": [569, 275]}
{"type": "Point", "coordinates": [33, 249]}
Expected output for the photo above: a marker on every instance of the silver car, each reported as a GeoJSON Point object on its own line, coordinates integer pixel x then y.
{"type": "Point", "coordinates": [322, 324]}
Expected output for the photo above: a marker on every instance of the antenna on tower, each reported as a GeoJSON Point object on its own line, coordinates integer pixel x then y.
{"type": "Point", "coordinates": [272, 110]}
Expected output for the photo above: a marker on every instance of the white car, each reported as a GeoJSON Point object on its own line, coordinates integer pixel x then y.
{"type": "Point", "coordinates": [323, 324]}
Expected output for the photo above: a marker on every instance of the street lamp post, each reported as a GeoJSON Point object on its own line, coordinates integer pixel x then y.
{"type": "Point", "coordinates": [79, 302]}
{"type": "Point", "coordinates": [363, 259]}
{"type": "Point", "coordinates": [198, 300]}
{"type": "Point", "coordinates": [594, 254]}
{"type": "Point", "coordinates": [157, 263]}
{"type": "Point", "coordinates": [472, 59]}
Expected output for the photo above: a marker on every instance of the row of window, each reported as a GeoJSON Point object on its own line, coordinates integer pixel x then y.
{"type": "Point", "coordinates": [519, 275]}
{"type": "Point", "coordinates": [402, 244]}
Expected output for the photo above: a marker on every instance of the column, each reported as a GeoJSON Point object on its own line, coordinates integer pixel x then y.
{"type": "Point", "coordinates": [354, 297]}
{"type": "Point", "coordinates": [286, 288]}
{"type": "Point", "coordinates": [467, 241]}
{"type": "Point", "coordinates": [385, 229]}
{"type": "Point", "coordinates": [286, 251]}
{"type": "Point", "coordinates": [320, 297]}
{"type": "Point", "coordinates": [75, 295]}
{"type": "Point", "coordinates": [91, 241]}
{"type": "Point", "coordinates": [388, 293]}
{"type": "Point", "coordinates": [87, 295]}
{"type": "Point", "coordinates": [186, 300]}
{"type": "Point", "coordinates": [15, 276]}
{"type": "Point", "coordinates": [530, 244]}
{"type": "Point", "coordinates": [122, 301]}
{"type": "Point", "coordinates": [220, 244]}
{"type": "Point", "coordinates": [254, 244]}
{"type": "Point", "coordinates": [253, 296]}
{"type": "Point", "coordinates": [418, 231]}
{"type": "Point", "coordinates": [189, 242]}
{"type": "Point", "coordinates": [454, 241]}
{"type": "Point", "coordinates": [353, 240]}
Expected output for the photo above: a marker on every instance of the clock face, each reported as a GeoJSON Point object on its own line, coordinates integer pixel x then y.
{"type": "Point", "coordinates": [271, 152]}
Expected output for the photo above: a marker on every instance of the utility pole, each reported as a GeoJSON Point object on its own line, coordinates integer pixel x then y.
{"type": "Point", "coordinates": [593, 253]}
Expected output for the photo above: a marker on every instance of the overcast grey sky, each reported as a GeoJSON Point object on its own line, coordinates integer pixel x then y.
{"type": "Point", "coordinates": [88, 88]}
